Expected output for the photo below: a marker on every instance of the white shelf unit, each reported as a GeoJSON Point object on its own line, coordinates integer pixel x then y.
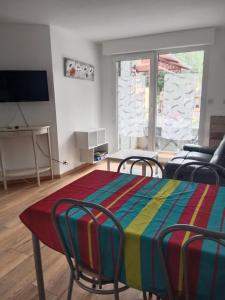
{"type": "Point", "coordinates": [89, 142]}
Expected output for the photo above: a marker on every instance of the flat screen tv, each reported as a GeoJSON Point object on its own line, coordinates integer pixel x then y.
{"type": "Point", "coordinates": [23, 86]}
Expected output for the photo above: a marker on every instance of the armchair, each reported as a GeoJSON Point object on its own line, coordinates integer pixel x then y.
{"type": "Point", "coordinates": [197, 153]}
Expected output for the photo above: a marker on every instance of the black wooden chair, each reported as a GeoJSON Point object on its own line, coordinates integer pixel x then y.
{"type": "Point", "coordinates": [143, 161]}
{"type": "Point", "coordinates": [196, 234]}
{"type": "Point", "coordinates": [85, 276]}
{"type": "Point", "coordinates": [196, 171]}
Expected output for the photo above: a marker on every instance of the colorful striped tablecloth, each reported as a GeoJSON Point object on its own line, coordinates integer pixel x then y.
{"type": "Point", "coordinates": [144, 206]}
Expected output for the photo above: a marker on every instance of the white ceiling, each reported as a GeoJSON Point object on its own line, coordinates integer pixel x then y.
{"type": "Point", "coordinates": [109, 19]}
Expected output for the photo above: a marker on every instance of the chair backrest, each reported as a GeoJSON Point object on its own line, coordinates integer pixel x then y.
{"type": "Point", "coordinates": [145, 161]}
{"type": "Point", "coordinates": [197, 234]}
{"type": "Point", "coordinates": [70, 245]}
{"type": "Point", "coordinates": [215, 170]}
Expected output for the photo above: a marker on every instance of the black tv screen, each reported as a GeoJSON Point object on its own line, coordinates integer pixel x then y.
{"type": "Point", "coordinates": [23, 86]}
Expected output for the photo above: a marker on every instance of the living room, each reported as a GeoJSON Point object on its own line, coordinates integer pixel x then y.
{"type": "Point", "coordinates": [44, 36]}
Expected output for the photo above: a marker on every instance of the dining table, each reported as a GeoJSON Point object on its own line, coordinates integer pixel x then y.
{"type": "Point", "coordinates": [143, 206]}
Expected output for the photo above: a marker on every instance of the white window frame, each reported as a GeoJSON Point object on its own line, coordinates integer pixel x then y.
{"type": "Point", "coordinates": [153, 56]}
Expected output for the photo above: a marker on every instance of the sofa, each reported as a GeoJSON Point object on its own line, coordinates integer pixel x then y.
{"type": "Point", "coordinates": [193, 153]}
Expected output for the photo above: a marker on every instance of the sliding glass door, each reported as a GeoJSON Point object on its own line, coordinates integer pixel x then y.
{"type": "Point", "coordinates": [134, 94]}
{"type": "Point", "coordinates": [159, 100]}
{"type": "Point", "coordinates": [179, 91]}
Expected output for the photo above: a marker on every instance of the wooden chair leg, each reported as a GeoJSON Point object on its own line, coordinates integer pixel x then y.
{"type": "Point", "coordinates": [116, 292]}
{"type": "Point", "coordinates": [116, 295]}
{"type": "Point", "coordinates": [70, 288]}
{"type": "Point", "coordinates": [93, 284]}
{"type": "Point", "coordinates": [145, 296]}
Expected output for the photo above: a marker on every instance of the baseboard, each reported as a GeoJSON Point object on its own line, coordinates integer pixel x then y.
{"type": "Point", "coordinates": [74, 170]}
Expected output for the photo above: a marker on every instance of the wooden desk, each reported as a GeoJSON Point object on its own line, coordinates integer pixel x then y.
{"type": "Point", "coordinates": [32, 132]}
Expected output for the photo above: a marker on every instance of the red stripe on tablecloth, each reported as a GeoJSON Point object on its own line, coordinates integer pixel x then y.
{"type": "Point", "coordinates": [216, 261]}
{"type": "Point", "coordinates": [177, 237]}
{"type": "Point", "coordinates": [38, 216]}
{"type": "Point", "coordinates": [201, 221]}
{"type": "Point", "coordinates": [83, 234]}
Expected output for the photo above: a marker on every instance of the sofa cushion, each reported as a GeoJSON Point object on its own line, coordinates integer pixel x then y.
{"type": "Point", "coordinates": [219, 155]}
{"type": "Point", "coordinates": [202, 175]}
{"type": "Point", "coordinates": [172, 165]}
{"type": "Point", "coordinates": [199, 156]}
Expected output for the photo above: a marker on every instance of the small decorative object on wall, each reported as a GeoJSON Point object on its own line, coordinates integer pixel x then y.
{"type": "Point", "coordinates": [77, 69]}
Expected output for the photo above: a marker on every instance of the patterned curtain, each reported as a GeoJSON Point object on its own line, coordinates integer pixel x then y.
{"type": "Point", "coordinates": [131, 101]}
{"type": "Point", "coordinates": [177, 111]}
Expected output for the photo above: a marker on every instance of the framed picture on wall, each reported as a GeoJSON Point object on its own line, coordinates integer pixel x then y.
{"type": "Point", "coordinates": [77, 69]}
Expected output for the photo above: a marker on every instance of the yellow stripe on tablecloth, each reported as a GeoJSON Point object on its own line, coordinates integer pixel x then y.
{"type": "Point", "coordinates": [187, 235]}
{"type": "Point", "coordinates": [136, 228]}
{"type": "Point", "coordinates": [100, 213]}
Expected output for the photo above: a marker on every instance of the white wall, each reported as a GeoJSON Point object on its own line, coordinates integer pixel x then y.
{"type": "Point", "coordinates": [215, 81]}
{"type": "Point", "coordinates": [27, 47]}
{"type": "Point", "coordinates": [109, 105]}
{"type": "Point", "coordinates": [78, 102]}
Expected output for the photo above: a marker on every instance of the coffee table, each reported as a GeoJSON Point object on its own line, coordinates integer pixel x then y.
{"type": "Point", "coordinates": [122, 154]}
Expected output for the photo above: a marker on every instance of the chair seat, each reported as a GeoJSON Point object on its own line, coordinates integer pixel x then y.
{"type": "Point", "coordinates": [204, 157]}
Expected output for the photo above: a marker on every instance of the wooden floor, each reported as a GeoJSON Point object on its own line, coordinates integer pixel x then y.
{"type": "Point", "coordinates": [17, 274]}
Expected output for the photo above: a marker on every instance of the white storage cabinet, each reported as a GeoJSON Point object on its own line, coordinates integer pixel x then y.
{"type": "Point", "coordinates": [89, 142]}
